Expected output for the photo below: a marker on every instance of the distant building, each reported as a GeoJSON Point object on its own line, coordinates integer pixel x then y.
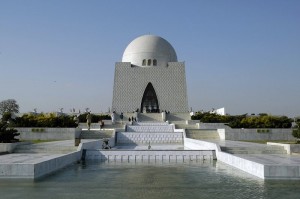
{"type": "Point", "coordinates": [220, 111]}
{"type": "Point", "coordinates": [149, 78]}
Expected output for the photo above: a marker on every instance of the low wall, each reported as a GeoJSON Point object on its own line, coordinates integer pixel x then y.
{"type": "Point", "coordinates": [253, 134]}
{"type": "Point", "coordinates": [8, 147]}
{"type": "Point", "coordinates": [147, 155]}
{"type": "Point", "coordinates": [49, 166]}
{"type": "Point", "coordinates": [290, 148]}
{"type": "Point", "coordinates": [48, 133]}
{"type": "Point", "coordinates": [250, 134]}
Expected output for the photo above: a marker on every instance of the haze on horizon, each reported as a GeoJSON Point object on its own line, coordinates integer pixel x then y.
{"type": "Point", "coordinates": [241, 55]}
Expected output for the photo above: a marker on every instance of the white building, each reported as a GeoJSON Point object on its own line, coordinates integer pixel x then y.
{"type": "Point", "coordinates": [150, 78]}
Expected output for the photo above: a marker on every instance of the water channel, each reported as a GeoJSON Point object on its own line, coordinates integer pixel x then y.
{"type": "Point", "coordinates": [147, 180]}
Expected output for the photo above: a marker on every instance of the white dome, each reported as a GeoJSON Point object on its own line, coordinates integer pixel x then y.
{"type": "Point", "coordinates": [148, 51]}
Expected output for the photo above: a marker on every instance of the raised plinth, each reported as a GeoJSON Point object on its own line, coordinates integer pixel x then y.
{"type": "Point", "coordinates": [34, 165]}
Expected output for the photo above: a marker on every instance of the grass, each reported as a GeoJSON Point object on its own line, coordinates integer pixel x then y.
{"type": "Point", "coordinates": [37, 141]}
{"type": "Point", "coordinates": [265, 141]}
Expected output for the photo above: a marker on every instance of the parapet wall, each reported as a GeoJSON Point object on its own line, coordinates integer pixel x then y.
{"type": "Point", "coordinates": [48, 133]}
{"type": "Point", "coordinates": [147, 155]}
{"type": "Point", "coordinates": [259, 134]}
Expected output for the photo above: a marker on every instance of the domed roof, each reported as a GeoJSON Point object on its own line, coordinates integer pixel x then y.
{"type": "Point", "coordinates": [148, 51]}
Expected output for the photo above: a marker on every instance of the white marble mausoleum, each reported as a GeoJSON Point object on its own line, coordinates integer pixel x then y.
{"type": "Point", "coordinates": [150, 78]}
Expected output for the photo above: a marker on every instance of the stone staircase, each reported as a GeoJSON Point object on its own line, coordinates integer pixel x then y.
{"type": "Point", "coordinates": [201, 134]}
{"type": "Point", "coordinates": [264, 149]}
{"type": "Point", "coordinates": [96, 134]}
{"type": "Point", "coordinates": [153, 132]}
{"type": "Point", "coordinates": [48, 148]}
{"type": "Point", "coordinates": [150, 128]}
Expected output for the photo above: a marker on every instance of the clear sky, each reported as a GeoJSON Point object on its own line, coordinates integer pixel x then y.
{"type": "Point", "coordinates": [241, 55]}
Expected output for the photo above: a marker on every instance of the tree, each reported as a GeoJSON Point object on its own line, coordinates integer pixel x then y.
{"type": "Point", "coordinates": [7, 135]}
{"type": "Point", "coordinates": [9, 106]}
{"type": "Point", "coordinates": [296, 131]}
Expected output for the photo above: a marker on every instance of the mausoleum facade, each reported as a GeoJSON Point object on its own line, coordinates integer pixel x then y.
{"type": "Point", "coordinates": [149, 78]}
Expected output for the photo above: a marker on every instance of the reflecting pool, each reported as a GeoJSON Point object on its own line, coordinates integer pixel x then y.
{"type": "Point", "coordinates": [208, 179]}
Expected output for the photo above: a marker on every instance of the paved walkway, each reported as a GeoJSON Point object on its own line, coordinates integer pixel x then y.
{"type": "Point", "coordinates": [266, 159]}
{"type": "Point", "coordinates": [37, 157]}
{"type": "Point", "coordinates": [273, 159]}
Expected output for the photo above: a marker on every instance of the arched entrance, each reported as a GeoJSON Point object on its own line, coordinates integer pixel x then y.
{"type": "Point", "coordinates": [149, 101]}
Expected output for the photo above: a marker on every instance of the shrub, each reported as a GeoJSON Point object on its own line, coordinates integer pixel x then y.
{"type": "Point", "coordinates": [95, 118]}
{"type": "Point", "coordinates": [296, 132]}
{"type": "Point", "coordinates": [244, 121]}
{"type": "Point", "coordinates": [7, 135]}
{"type": "Point", "coordinates": [44, 120]}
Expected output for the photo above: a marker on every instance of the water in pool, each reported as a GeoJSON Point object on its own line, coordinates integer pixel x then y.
{"type": "Point", "coordinates": [208, 179]}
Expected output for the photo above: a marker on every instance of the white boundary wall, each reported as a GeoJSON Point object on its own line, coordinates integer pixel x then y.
{"type": "Point", "coordinates": [39, 133]}
{"type": "Point", "coordinates": [290, 148]}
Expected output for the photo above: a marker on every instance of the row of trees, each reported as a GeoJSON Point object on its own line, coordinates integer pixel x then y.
{"type": "Point", "coordinates": [10, 106]}
{"type": "Point", "coordinates": [52, 120]}
{"type": "Point", "coordinates": [44, 120]}
{"type": "Point", "coordinates": [245, 121]}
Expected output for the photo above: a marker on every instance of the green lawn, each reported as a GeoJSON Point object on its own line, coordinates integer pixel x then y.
{"type": "Point", "coordinates": [265, 141]}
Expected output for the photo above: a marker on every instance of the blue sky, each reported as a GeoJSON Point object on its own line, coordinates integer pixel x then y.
{"type": "Point", "coordinates": [241, 55]}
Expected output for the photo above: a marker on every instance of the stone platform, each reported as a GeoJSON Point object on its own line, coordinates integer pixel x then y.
{"type": "Point", "coordinates": [266, 166]}
{"type": "Point", "coordinates": [24, 165]}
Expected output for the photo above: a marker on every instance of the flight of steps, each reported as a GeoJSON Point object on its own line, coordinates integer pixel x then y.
{"type": "Point", "coordinates": [202, 134]}
{"type": "Point", "coordinates": [153, 132]}
{"type": "Point", "coordinates": [264, 149]}
{"type": "Point", "coordinates": [44, 148]}
{"type": "Point", "coordinates": [96, 134]}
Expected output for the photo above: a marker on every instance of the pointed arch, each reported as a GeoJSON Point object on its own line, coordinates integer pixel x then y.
{"type": "Point", "coordinates": [149, 100]}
